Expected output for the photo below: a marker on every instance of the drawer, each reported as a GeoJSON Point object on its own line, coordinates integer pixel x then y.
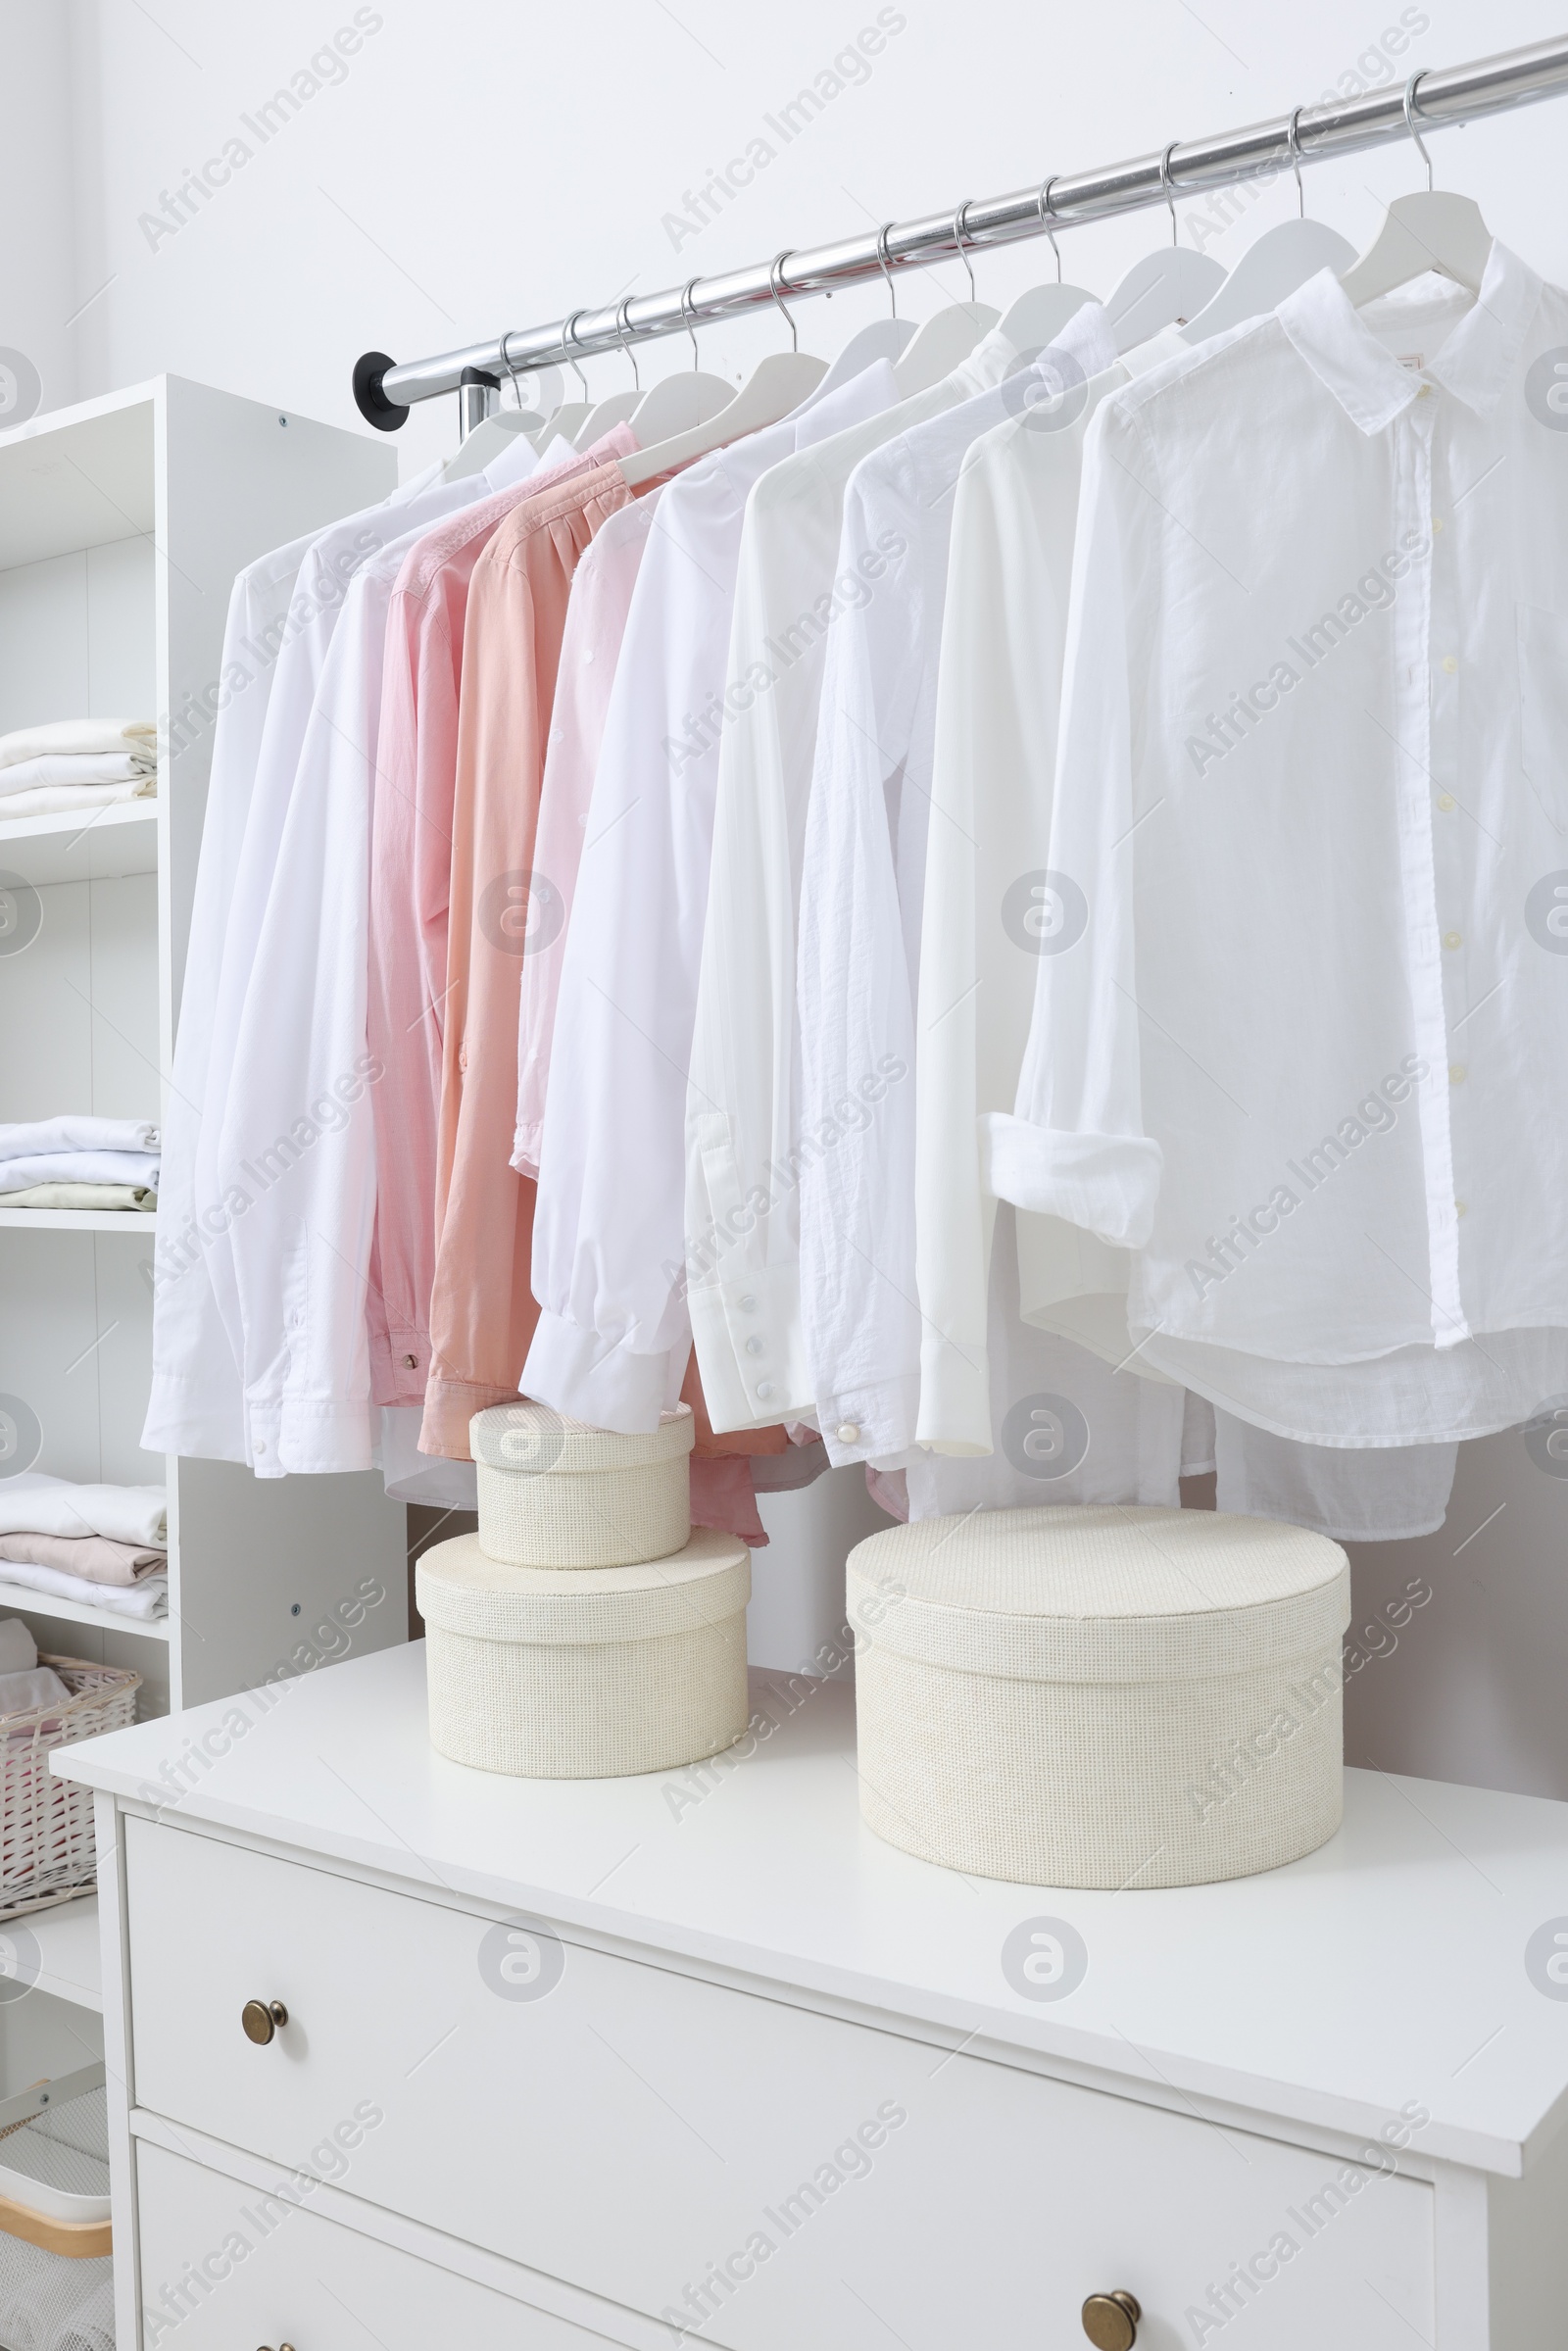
{"type": "Point", "coordinates": [720, 2158]}
{"type": "Point", "coordinates": [226, 2265]}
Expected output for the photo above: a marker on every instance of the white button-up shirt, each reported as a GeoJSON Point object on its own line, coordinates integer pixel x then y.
{"type": "Point", "coordinates": [861, 888]}
{"type": "Point", "coordinates": [297, 1142]}
{"type": "Point", "coordinates": [745, 1147]}
{"type": "Point", "coordinates": [194, 1405]}
{"type": "Point", "coordinates": [613, 1338]}
{"type": "Point", "coordinates": [1299, 1041]}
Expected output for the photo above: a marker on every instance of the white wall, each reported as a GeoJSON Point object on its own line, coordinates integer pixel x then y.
{"type": "Point", "coordinates": [475, 168]}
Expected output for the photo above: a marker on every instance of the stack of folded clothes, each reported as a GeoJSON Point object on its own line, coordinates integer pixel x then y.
{"type": "Point", "coordinates": [76, 763]}
{"type": "Point", "coordinates": [80, 1164]}
{"type": "Point", "coordinates": [106, 1546]}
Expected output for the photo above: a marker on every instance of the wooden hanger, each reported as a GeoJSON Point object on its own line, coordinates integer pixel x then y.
{"type": "Point", "coordinates": [776, 385]}
{"type": "Point", "coordinates": [1429, 230]}
{"type": "Point", "coordinates": [1037, 318]}
{"type": "Point", "coordinates": [1284, 258]}
{"type": "Point", "coordinates": [1164, 290]}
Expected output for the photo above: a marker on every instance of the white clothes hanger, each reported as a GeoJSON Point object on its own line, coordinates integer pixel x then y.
{"type": "Point", "coordinates": [1284, 258]}
{"type": "Point", "coordinates": [1429, 230]}
{"type": "Point", "coordinates": [1164, 290]}
{"type": "Point", "coordinates": [937, 347]}
{"type": "Point", "coordinates": [1037, 318]}
{"type": "Point", "coordinates": [777, 384]}
{"type": "Point", "coordinates": [618, 409]}
{"type": "Point", "coordinates": [563, 422]}
{"type": "Point", "coordinates": [681, 401]}
{"type": "Point", "coordinates": [883, 340]}
{"type": "Point", "coordinates": [487, 440]}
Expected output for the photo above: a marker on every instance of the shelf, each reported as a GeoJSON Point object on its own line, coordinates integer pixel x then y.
{"type": "Point", "coordinates": [80, 1220]}
{"type": "Point", "coordinates": [80, 847]}
{"type": "Point", "coordinates": [67, 1936]}
{"type": "Point", "coordinates": [20, 1599]}
{"type": "Point", "coordinates": [81, 478]}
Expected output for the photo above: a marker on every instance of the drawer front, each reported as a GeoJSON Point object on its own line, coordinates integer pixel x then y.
{"type": "Point", "coordinates": [224, 2265]}
{"type": "Point", "coordinates": [723, 2160]}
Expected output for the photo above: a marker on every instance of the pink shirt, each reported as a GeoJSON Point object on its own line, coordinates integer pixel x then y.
{"type": "Point", "coordinates": [596, 622]}
{"type": "Point", "coordinates": [411, 859]}
{"type": "Point", "coordinates": [482, 1311]}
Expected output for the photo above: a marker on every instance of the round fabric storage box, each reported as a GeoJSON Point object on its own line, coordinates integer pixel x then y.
{"type": "Point", "coordinates": [553, 1493]}
{"type": "Point", "coordinates": [556, 1675]}
{"type": "Point", "coordinates": [1101, 1697]}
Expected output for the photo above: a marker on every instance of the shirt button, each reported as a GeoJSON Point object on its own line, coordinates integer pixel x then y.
{"type": "Point", "coordinates": [1457, 1073]}
{"type": "Point", "coordinates": [764, 1390]}
{"type": "Point", "coordinates": [748, 1306]}
{"type": "Point", "coordinates": [754, 1347]}
{"type": "Point", "coordinates": [260, 1446]}
{"type": "Point", "coordinates": [408, 1362]}
{"type": "Point", "coordinates": [1437, 524]}
{"type": "Point", "coordinates": [1459, 1207]}
{"type": "Point", "coordinates": [848, 1432]}
{"type": "Point", "coordinates": [1452, 939]}
{"type": "Point", "coordinates": [1450, 664]}
{"type": "Point", "coordinates": [1423, 392]}
{"type": "Point", "coordinates": [1446, 802]}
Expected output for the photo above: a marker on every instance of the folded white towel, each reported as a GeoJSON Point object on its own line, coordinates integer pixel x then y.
{"type": "Point", "coordinates": [19, 1651]}
{"type": "Point", "coordinates": [147, 1599]}
{"type": "Point", "coordinates": [135, 1196]}
{"type": "Point", "coordinates": [108, 768]}
{"type": "Point", "coordinates": [35, 1503]}
{"type": "Point", "coordinates": [78, 737]}
{"type": "Point", "coordinates": [26, 1693]}
{"type": "Point", "coordinates": [78, 1168]}
{"type": "Point", "coordinates": [60, 800]}
{"type": "Point", "coordinates": [23, 1137]}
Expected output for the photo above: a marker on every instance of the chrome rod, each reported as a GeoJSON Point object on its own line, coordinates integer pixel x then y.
{"type": "Point", "coordinates": [385, 389]}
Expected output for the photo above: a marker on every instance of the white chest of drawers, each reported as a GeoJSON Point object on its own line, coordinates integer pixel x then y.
{"type": "Point", "coordinates": [566, 2064]}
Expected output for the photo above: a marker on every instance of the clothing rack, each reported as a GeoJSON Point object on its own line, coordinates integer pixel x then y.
{"type": "Point", "coordinates": [384, 390]}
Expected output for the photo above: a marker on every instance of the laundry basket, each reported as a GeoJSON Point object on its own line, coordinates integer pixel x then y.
{"type": "Point", "coordinates": [56, 2289]}
{"type": "Point", "coordinates": [46, 1847]}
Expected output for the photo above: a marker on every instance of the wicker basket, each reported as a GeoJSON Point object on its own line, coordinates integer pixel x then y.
{"type": "Point", "coordinates": [46, 1842]}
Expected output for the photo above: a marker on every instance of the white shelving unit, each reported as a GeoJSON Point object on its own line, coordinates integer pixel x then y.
{"type": "Point", "coordinates": [123, 523]}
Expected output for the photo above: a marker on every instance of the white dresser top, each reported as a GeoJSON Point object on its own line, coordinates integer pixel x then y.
{"type": "Point", "coordinates": [1387, 1968]}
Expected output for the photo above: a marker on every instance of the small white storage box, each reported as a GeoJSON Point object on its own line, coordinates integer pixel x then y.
{"type": "Point", "coordinates": [1099, 1697]}
{"type": "Point", "coordinates": [553, 1493]}
{"type": "Point", "coordinates": [556, 1675]}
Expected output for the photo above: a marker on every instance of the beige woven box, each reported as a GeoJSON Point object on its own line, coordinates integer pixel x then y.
{"type": "Point", "coordinates": [552, 1674]}
{"type": "Point", "coordinates": [554, 1492]}
{"type": "Point", "coordinates": [1101, 1697]}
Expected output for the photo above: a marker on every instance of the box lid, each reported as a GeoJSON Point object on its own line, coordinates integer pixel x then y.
{"type": "Point", "coordinates": [532, 1441]}
{"type": "Point", "coordinates": [460, 1590]}
{"type": "Point", "coordinates": [1099, 1594]}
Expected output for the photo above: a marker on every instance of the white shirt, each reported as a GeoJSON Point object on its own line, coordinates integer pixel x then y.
{"type": "Point", "coordinates": [194, 1405]}
{"type": "Point", "coordinates": [608, 1232]}
{"type": "Point", "coordinates": [861, 887]}
{"type": "Point", "coordinates": [1302, 1048]}
{"type": "Point", "coordinates": [745, 1147]}
{"type": "Point", "coordinates": [298, 1137]}
{"type": "Point", "coordinates": [1003, 631]}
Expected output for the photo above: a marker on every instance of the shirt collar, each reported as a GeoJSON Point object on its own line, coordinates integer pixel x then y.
{"type": "Point", "coordinates": [1477, 357]}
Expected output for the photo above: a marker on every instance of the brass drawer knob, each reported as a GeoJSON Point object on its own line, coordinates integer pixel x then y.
{"type": "Point", "coordinates": [1110, 2320]}
{"type": "Point", "coordinates": [260, 2020]}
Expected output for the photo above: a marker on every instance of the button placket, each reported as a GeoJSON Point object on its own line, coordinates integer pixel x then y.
{"type": "Point", "coordinates": [1423, 739]}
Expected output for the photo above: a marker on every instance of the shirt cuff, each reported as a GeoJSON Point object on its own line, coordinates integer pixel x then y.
{"type": "Point", "coordinates": [450, 1404]}
{"type": "Point", "coordinates": [1106, 1183]}
{"type": "Point", "coordinates": [526, 1148]}
{"type": "Point", "coordinates": [955, 1396]}
{"type": "Point", "coordinates": [870, 1423]}
{"type": "Point", "coordinates": [750, 1349]}
{"type": "Point", "coordinates": [587, 1377]}
{"type": "Point", "coordinates": [190, 1416]}
{"type": "Point", "coordinates": [322, 1437]}
{"type": "Point", "coordinates": [400, 1360]}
